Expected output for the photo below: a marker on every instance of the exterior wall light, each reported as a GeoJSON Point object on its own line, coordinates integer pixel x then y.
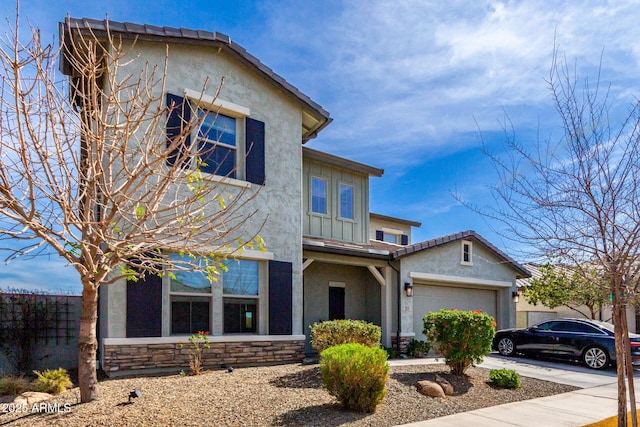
{"type": "Point", "coordinates": [516, 297]}
{"type": "Point", "coordinates": [408, 288]}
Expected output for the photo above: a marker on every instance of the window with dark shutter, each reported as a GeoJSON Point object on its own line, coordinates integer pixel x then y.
{"type": "Point", "coordinates": [379, 235]}
{"type": "Point", "coordinates": [144, 307]}
{"type": "Point", "coordinates": [404, 239]}
{"type": "Point", "coordinates": [280, 298]}
{"type": "Point", "coordinates": [178, 115]}
{"type": "Point", "coordinates": [255, 158]}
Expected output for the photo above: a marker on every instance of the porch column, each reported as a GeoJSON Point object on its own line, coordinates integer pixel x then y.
{"type": "Point", "coordinates": [386, 303]}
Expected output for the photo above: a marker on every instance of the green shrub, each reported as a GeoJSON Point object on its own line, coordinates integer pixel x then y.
{"type": "Point", "coordinates": [417, 348]}
{"type": "Point", "coordinates": [53, 382]}
{"type": "Point", "coordinates": [463, 338]}
{"type": "Point", "coordinates": [504, 378]}
{"type": "Point", "coordinates": [336, 332]}
{"type": "Point", "coordinates": [356, 375]}
{"type": "Point", "coordinates": [392, 353]}
{"type": "Point", "coordinates": [13, 385]}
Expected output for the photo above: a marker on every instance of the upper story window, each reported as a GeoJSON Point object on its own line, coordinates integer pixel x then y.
{"type": "Point", "coordinates": [346, 201]}
{"type": "Point", "coordinates": [392, 236]}
{"type": "Point", "coordinates": [466, 253]}
{"type": "Point", "coordinates": [318, 195]}
{"type": "Point", "coordinates": [230, 143]}
{"type": "Point", "coordinates": [217, 143]}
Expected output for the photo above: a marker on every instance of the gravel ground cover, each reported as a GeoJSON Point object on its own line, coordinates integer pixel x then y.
{"type": "Point", "coordinates": [285, 395]}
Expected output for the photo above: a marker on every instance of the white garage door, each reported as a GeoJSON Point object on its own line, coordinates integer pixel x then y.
{"type": "Point", "coordinates": [428, 298]}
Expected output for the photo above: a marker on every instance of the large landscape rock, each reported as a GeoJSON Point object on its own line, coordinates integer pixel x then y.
{"type": "Point", "coordinates": [28, 398]}
{"type": "Point", "coordinates": [430, 388]}
{"type": "Point", "coordinates": [446, 385]}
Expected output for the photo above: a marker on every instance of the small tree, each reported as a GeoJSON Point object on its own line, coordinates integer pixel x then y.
{"type": "Point", "coordinates": [89, 173]}
{"type": "Point", "coordinates": [463, 338]}
{"type": "Point", "coordinates": [569, 288]}
{"type": "Point", "coordinates": [576, 200]}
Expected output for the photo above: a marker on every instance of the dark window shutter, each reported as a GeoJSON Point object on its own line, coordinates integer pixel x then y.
{"type": "Point", "coordinates": [280, 298]}
{"type": "Point", "coordinates": [144, 307]}
{"type": "Point", "coordinates": [254, 151]}
{"type": "Point", "coordinates": [404, 239]}
{"type": "Point", "coordinates": [379, 235]}
{"type": "Point", "coordinates": [178, 115]}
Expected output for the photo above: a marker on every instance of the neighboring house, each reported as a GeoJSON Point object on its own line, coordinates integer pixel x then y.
{"type": "Point", "coordinates": [328, 257]}
{"type": "Point", "coordinates": [530, 314]}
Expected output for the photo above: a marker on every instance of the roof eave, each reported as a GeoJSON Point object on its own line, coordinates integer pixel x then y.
{"type": "Point", "coordinates": [214, 39]}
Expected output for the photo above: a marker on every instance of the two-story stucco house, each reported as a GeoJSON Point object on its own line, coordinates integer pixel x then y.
{"type": "Point", "coordinates": [362, 265]}
{"type": "Point", "coordinates": [327, 256]}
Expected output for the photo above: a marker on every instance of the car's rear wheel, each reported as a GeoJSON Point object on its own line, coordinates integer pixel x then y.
{"type": "Point", "coordinates": [596, 358]}
{"type": "Point", "coordinates": [506, 346]}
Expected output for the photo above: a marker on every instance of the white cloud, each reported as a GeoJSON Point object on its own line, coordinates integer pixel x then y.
{"type": "Point", "coordinates": [414, 74]}
{"type": "Point", "coordinates": [41, 273]}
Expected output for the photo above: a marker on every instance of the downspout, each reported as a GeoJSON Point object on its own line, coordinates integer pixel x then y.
{"type": "Point", "coordinates": [398, 291]}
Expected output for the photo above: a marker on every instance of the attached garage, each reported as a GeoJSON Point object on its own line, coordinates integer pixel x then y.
{"type": "Point", "coordinates": [434, 297]}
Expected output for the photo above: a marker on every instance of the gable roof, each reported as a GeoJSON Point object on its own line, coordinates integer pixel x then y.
{"type": "Point", "coordinates": [469, 234]}
{"type": "Point", "coordinates": [317, 118]}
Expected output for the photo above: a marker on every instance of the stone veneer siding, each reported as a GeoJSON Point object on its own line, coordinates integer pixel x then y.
{"type": "Point", "coordinates": [404, 343]}
{"type": "Point", "coordinates": [136, 358]}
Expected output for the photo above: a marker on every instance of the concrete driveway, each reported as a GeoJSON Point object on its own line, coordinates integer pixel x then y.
{"type": "Point", "coordinates": [559, 372]}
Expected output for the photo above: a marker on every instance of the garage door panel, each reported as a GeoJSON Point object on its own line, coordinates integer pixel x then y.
{"type": "Point", "coordinates": [428, 298]}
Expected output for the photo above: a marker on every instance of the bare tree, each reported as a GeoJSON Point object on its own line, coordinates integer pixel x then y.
{"type": "Point", "coordinates": [577, 201]}
{"type": "Point", "coordinates": [87, 172]}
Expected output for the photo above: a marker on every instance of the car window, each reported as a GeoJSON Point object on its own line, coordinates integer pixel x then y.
{"type": "Point", "coordinates": [576, 327]}
{"type": "Point", "coordinates": [565, 327]}
{"type": "Point", "coordinates": [548, 326]}
{"type": "Point", "coordinates": [586, 329]}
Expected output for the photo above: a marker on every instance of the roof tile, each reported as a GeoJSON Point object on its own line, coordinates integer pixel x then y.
{"type": "Point", "coordinates": [134, 28]}
{"type": "Point", "coordinates": [154, 30]}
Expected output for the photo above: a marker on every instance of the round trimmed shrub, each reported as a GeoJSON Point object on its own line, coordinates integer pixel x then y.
{"type": "Point", "coordinates": [335, 332]}
{"type": "Point", "coordinates": [504, 378]}
{"type": "Point", "coordinates": [356, 375]}
{"type": "Point", "coordinates": [463, 338]}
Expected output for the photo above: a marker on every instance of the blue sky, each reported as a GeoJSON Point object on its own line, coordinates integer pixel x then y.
{"type": "Point", "coordinates": [408, 83]}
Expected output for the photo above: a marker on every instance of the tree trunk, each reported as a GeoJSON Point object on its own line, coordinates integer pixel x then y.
{"type": "Point", "coordinates": [88, 344]}
{"type": "Point", "coordinates": [620, 357]}
{"type": "Point", "coordinates": [629, 367]}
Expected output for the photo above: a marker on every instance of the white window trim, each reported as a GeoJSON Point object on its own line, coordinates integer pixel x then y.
{"type": "Point", "coordinates": [337, 284]}
{"type": "Point", "coordinates": [311, 211]}
{"type": "Point", "coordinates": [353, 202]}
{"type": "Point", "coordinates": [219, 105]}
{"type": "Point", "coordinates": [462, 245]}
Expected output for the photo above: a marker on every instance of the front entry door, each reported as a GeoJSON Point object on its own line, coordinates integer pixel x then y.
{"type": "Point", "coordinates": [336, 303]}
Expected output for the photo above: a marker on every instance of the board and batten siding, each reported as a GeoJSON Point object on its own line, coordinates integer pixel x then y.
{"type": "Point", "coordinates": [331, 226]}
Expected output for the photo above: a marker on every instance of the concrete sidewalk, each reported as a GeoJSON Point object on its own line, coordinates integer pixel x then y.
{"type": "Point", "coordinates": [596, 401]}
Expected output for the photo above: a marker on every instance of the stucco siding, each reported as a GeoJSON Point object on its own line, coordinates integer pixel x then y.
{"type": "Point", "coordinates": [279, 202]}
{"type": "Point", "coordinates": [378, 224]}
{"type": "Point", "coordinates": [444, 260]}
{"type": "Point", "coordinates": [362, 293]}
